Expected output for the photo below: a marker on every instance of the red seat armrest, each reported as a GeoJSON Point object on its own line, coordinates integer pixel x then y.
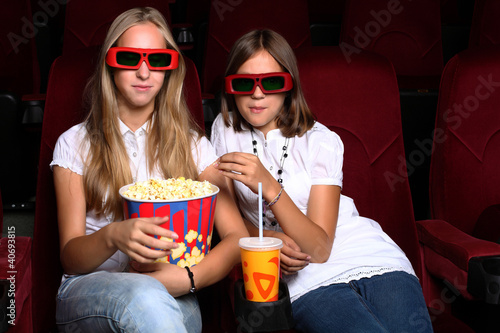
{"type": "Point", "coordinates": [454, 244]}
{"type": "Point", "coordinates": [448, 250]}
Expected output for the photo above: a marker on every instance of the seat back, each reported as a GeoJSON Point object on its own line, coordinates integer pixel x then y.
{"type": "Point", "coordinates": [19, 70]}
{"type": "Point", "coordinates": [228, 22]}
{"type": "Point", "coordinates": [64, 108]}
{"type": "Point", "coordinates": [485, 29]}
{"type": "Point", "coordinates": [360, 102]}
{"type": "Point", "coordinates": [19, 76]}
{"type": "Point", "coordinates": [407, 33]}
{"type": "Point", "coordinates": [464, 175]}
{"type": "Point", "coordinates": [87, 22]}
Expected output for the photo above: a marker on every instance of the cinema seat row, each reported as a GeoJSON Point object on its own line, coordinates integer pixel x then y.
{"type": "Point", "coordinates": [355, 88]}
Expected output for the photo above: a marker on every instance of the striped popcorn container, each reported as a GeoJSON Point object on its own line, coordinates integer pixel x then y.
{"type": "Point", "coordinates": [192, 219]}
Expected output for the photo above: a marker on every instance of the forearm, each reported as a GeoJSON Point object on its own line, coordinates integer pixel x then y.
{"type": "Point", "coordinates": [254, 231]}
{"type": "Point", "coordinates": [218, 262]}
{"type": "Point", "coordinates": [84, 254]}
{"type": "Point", "coordinates": [312, 238]}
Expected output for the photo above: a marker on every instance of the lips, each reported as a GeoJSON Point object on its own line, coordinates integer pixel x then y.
{"type": "Point", "coordinates": [257, 109]}
{"type": "Point", "coordinates": [141, 87]}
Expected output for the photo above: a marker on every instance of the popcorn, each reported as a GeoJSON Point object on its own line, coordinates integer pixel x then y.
{"type": "Point", "coordinates": [192, 235]}
{"type": "Point", "coordinates": [178, 252]}
{"type": "Point", "coordinates": [168, 189]}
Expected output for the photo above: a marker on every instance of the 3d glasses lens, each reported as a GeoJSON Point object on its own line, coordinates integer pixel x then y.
{"type": "Point", "coordinates": [273, 83]}
{"type": "Point", "coordinates": [125, 58]}
{"type": "Point", "coordinates": [160, 59]}
{"type": "Point", "coordinates": [243, 84]}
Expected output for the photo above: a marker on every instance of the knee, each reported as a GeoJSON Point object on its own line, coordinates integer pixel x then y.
{"type": "Point", "coordinates": [150, 308]}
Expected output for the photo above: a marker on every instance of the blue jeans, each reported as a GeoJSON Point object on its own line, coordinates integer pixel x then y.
{"type": "Point", "coordinates": [123, 302]}
{"type": "Point", "coordinates": [391, 302]}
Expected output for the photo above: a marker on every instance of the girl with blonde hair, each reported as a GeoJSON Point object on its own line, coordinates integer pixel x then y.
{"type": "Point", "coordinates": [139, 127]}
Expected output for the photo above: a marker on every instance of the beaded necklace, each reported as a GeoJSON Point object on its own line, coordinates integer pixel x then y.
{"type": "Point", "coordinates": [284, 155]}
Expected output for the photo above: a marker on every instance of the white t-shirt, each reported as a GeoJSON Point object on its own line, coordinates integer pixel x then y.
{"type": "Point", "coordinates": [360, 248]}
{"type": "Point", "coordinates": [69, 154]}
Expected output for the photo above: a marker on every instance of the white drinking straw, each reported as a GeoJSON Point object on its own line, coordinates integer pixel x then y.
{"type": "Point", "coordinates": [260, 211]}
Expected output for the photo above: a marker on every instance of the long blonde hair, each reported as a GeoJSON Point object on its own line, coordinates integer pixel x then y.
{"type": "Point", "coordinates": [170, 132]}
{"type": "Point", "coordinates": [295, 118]}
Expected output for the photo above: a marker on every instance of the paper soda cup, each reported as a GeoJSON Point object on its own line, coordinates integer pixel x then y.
{"type": "Point", "coordinates": [260, 260]}
{"type": "Point", "coordinates": [192, 219]}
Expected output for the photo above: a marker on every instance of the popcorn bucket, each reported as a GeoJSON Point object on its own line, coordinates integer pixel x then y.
{"type": "Point", "coordinates": [192, 219]}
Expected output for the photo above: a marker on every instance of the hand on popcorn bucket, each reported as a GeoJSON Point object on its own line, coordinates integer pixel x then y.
{"type": "Point", "coordinates": [189, 206]}
{"type": "Point", "coordinates": [135, 236]}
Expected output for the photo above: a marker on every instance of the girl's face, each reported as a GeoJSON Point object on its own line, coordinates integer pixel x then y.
{"type": "Point", "coordinates": [137, 88]}
{"type": "Point", "coordinates": [259, 109]}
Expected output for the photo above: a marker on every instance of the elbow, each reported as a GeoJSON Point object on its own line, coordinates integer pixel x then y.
{"type": "Point", "coordinates": [321, 253]}
{"type": "Point", "coordinates": [66, 265]}
{"type": "Point", "coordinates": [319, 260]}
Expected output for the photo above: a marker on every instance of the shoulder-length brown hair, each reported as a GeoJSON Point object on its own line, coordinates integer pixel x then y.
{"type": "Point", "coordinates": [295, 118]}
{"type": "Point", "coordinates": [171, 127]}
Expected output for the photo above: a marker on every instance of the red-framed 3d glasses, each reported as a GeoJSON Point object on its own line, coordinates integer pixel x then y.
{"type": "Point", "coordinates": [269, 83]}
{"type": "Point", "coordinates": [132, 58]}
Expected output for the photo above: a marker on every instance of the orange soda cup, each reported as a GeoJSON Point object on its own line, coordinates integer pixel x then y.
{"type": "Point", "coordinates": [260, 259]}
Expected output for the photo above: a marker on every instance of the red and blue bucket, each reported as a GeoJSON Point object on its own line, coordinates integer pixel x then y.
{"type": "Point", "coordinates": [192, 219]}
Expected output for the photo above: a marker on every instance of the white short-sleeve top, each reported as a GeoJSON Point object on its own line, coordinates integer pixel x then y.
{"type": "Point", "coordinates": [71, 151]}
{"type": "Point", "coordinates": [360, 249]}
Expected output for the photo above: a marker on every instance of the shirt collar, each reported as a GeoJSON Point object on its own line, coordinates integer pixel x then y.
{"type": "Point", "coordinates": [124, 128]}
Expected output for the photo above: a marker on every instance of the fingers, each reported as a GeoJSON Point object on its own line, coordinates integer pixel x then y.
{"type": "Point", "coordinates": [140, 244]}
{"type": "Point", "coordinates": [290, 252]}
{"type": "Point", "coordinates": [143, 254]}
{"type": "Point", "coordinates": [236, 162]}
{"type": "Point", "coordinates": [292, 266]}
{"type": "Point", "coordinates": [236, 157]}
{"type": "Point", "coordinates": [291, 260]}
{"type": "Point", "coordinates": [144, 229]}
{"type": "Point", "coordinates": [245, 168]}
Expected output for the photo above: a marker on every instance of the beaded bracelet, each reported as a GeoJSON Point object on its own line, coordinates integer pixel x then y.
{"type": "Point", "coordinates": [276, 198]}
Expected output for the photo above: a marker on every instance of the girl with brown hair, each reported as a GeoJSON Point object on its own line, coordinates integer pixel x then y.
{"type": "Point", "coordinates": [343, 272]}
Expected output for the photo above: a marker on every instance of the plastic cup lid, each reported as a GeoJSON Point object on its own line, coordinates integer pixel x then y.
{"type": "Point", "coordinates": [254, 243]}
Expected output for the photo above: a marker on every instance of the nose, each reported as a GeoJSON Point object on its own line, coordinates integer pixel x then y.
{"type": "Point", "coordinates": [257, 93]}
{"type": "Point", "coordinates": [143, 71]}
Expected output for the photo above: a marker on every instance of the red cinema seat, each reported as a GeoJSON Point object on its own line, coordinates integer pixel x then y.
{"type": "Point", "coordinates": [15, 280]}
{"type": "Point", "coordinates": [461, 245]}
{"type": "Point", "coordinates": [359, 100]}
{"type": "Point", "coordinates": [19, 71]}
{"type": "Point", "coordinates": [19, 81]}
{"type": "Point", "coordinates": [485, 29]}
{"type": "Point", "coordinates": [87, 22]}
{"type": "Point", "coordinates": [407, 33]}
{"type": "Point", "coordinates": [64, 108]}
